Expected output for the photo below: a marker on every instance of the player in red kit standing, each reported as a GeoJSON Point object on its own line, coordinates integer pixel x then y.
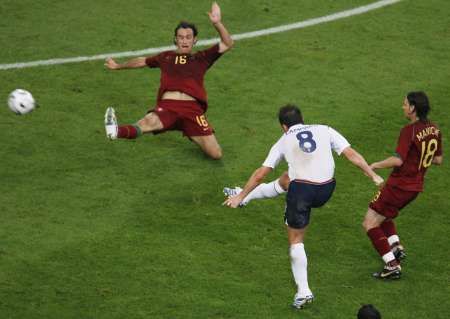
{"type": "Point", "coordinates": [419, 145]}
{"type": "Point", "coordinates": [182, 100]}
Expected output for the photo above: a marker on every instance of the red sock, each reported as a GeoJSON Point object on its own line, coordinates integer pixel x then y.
{"type": "Point", "coordinates": [127, 131]}
{"type": "Point", "coordinates": [379, 240]}
{"type": "Point", "coordinates": [390, 231]}
{"type": "Point", "coordinates": [388, 228]}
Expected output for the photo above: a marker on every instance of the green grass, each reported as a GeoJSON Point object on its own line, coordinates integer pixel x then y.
{"type": "Point", "coordinates": [135, 229]}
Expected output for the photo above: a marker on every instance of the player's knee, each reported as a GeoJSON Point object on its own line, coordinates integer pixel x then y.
{"type": "Point", "coordinates": [216, 153]}
{"type": "Point", "coordinates": [367, 224]}
{"type": "Point", "coordinates": [144, 125]}
{"type": "Point", "coordinates": [363, 225]}
{"type": "Point", "coordinates": [150, 123]}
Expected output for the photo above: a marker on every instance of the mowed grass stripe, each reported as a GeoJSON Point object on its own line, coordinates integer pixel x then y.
{"type": "Point", "coordinates": [247, 35]}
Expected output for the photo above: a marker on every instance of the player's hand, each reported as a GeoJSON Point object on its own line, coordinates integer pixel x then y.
{"type": "Point", "coordinates": [111, 64]}
{"type": "Point", "coordinates": [214, 14]}
{"type": "Point", "coordinates": [374, 166]}
{"type": "Point", "coordinates": [233, 201]}
{"type": "Point", "coordinates": [378, 180]}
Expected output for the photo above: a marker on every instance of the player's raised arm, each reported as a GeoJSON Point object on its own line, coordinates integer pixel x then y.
{"type": "Point", "coordinates": [358, 160]}
{"type": "Point", "coordinates": [215, 16]}
{"type": "Point", "coordinates": [131, 64]}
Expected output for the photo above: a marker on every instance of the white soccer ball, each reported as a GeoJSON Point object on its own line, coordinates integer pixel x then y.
{"type": "Point", "coordinates": [21, 102]}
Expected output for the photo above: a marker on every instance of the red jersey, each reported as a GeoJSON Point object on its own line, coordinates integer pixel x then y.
{"type": "Point", "coordinates": [417, 145]}
{"type": "Point", "coordinates": [184, 72]}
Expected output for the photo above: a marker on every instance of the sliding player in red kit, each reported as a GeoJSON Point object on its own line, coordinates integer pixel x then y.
{"type": "Point", "coordinates": [182, 99]}
{"type": "Point", "coordinates": [419, 146]}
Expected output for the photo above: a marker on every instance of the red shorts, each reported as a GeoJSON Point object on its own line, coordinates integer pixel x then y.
{"type": "Point", "coordinates": [390, 199]}
{"type": "Point", "coordinates": [186, 116]}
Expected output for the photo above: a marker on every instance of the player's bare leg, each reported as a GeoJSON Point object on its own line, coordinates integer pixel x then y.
{"type": "Point", "coordinates": [371, 224]}
{"type": "Point", "coordinates": [150, 123]}
{"type": "Point", "coordinates": [295, 236]}
{"type": "Point", "coordinates": [209, 145]}
{"type": "Point", "coordinates": [299, 265]}
{"type": "Point", "coordinates": [372, 219]}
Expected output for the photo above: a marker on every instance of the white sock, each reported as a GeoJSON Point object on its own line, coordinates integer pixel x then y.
{"type": "Point", "coordinates": [393, 239]}
{"type": "Point", "coordinates": [388, 257]}
{"type": "Point", "coordinates": [299, 264]}
{"type": "Point", "coordinates": [266, 190]}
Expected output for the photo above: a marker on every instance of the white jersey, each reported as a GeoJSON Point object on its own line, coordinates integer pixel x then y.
{"type": "Point", "coordinates": [307, 150]}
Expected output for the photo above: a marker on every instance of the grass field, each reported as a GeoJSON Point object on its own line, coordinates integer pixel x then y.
{"type": "Point", "coordinates": [135, 229]}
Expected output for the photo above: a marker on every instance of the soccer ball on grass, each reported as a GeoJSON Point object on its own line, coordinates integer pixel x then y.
{"type": "Point", "coordinates": [21, 102]}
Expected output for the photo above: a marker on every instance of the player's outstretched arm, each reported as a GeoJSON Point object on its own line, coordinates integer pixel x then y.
{"type": "Point", "coordinates": [215, 16]}
{"type": "Point", "coordinates": [359, 161]}
{"type": "Point", "coordinates": [391, 161]}
{"type": "Point", "coordinates": [135, 63]}
{"type": "Point", "coordinates": [254, 180]}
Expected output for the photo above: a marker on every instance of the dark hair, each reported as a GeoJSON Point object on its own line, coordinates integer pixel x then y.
{"type": "Point", "coordinates": [289, 115]}
{"type": "Point", "coordinates": [186, 25]}
{"type": "Point", "coordinates": [368, 312]}
{"type": "Point", "coordinates": [421, 104]}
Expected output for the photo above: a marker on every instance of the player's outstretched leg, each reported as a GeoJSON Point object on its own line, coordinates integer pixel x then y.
{"type": "Point", "coordinates": [114, 131]}
{"type": "Point", "coordinates": [264, 190]}
{"type": "Point", "coordinates": [111, 123]}
{"type": "Point", "coordinates": [232, 191]}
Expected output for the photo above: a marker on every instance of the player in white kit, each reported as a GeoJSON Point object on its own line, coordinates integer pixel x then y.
{"type": "Point", "coordinates": [308, 151]}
